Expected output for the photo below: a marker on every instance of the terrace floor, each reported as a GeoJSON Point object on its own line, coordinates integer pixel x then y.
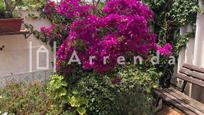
{"type": "Point", "coordinates": [170, 111]}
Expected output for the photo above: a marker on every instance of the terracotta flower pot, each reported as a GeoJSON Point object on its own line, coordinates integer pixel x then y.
{"type": "Point", "coordinates": [10, 25]}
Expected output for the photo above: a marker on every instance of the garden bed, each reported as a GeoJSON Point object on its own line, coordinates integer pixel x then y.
{"type": "Point", "coordinates": [95, 71]}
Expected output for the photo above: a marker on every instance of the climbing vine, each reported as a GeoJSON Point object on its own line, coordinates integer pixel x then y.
{"type": "Point", "coordinates": [169, 16]}
{"type": "Point", "coordinates": [184, 12]}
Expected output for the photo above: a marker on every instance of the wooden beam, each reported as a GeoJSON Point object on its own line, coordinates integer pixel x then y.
{"type": "Point", "coordinates": [14, 33]}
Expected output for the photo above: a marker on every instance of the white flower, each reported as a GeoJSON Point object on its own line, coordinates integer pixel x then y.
{"type": "Point", "coordinates": [5, 113]}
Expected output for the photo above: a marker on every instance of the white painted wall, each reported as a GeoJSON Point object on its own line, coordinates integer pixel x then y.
{"type": "Point", "coordinates": [14, 59]}
{"type": "Point", "coordinates": [186, 55]}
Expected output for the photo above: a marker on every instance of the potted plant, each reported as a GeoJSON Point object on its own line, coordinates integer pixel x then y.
{"type": "Point", "coordinates": [8, 21]}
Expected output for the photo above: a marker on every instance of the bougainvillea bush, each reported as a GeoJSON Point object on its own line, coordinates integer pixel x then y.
{"type": "Point", "coordinates": [121, 29]}
{"type": "Point", "coordinates": [111, 29]}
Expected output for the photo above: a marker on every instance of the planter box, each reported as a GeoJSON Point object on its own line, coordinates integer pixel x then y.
{"type": "Point", "coordinates": [10, 25]}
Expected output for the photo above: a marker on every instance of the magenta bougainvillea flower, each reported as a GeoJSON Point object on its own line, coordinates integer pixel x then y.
{"type": "Point", "coordinates": [120, 31]}
{"type": "Point", "coordinates": [48, 31]}
{"type": "Point", "coordinates": [50, 7]}
{"type": "Point", "coordinates": [55, 32]}
{"type": "Point", "coordinates": [166, 50]}
{"type": "Point", "coordinates": [73, 9]}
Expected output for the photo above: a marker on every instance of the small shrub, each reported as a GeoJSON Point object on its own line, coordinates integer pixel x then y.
{"type": "Point", "coordinates": [39, 99]}
{"type": "Point", "coordinates": [65, 99]}
{"type": "Point", "coordinates": [130, 93]}
{"type": "Point", "coordinates": [24, 99]}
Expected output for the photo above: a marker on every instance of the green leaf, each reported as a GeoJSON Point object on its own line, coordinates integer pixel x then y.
{"type": "Point", "coordinates": [74, 102]}
{"type": "Point", "coordinates": [81, 111]}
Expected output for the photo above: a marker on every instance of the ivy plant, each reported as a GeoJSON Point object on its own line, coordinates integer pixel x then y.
{"type": "Point", "coordinates": [184, 12]}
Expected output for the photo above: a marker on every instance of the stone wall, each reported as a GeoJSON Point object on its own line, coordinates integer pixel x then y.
{"type": "Point", "coordinates": [41, 76]}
